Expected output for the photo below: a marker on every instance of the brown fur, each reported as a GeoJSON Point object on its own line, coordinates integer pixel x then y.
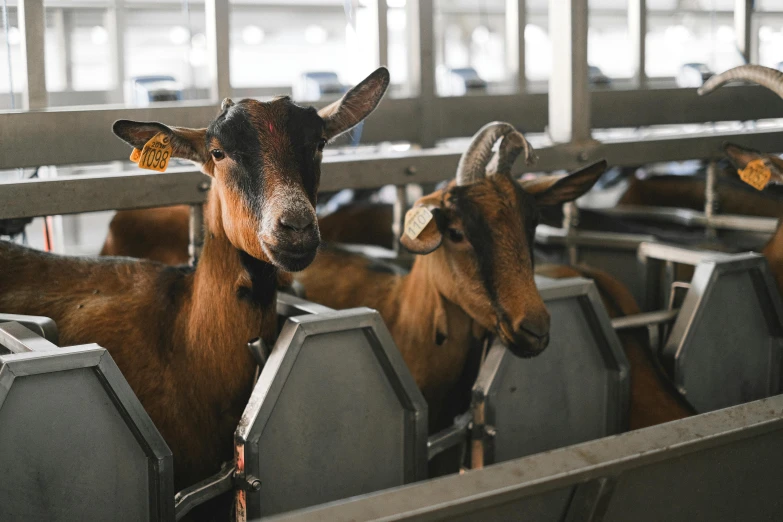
{"type": "Point", "coordinates": [180, 336]}
{"type": "Point", "coordinates": [653, 399]}
{"type": "Point", "coordinates": [188, 365]}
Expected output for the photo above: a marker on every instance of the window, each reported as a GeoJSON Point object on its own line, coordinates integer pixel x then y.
{"type": "Point", "coordinates": [470, 49]}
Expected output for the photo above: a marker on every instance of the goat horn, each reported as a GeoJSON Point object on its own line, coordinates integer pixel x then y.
{"type": "Point", "coordinates": [772, 79]}
{"type": "Point", "coordinates": [473, 163]}
{"type": "Point", "coordinates": [510, 148]}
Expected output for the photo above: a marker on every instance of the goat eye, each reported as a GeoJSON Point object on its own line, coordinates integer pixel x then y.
{"type": "Point", "coordinates": [321, 144]}
{"type": "Point", "coordinates": [218, 154]}
{"type": "Point", "coordinates": [455, 235]}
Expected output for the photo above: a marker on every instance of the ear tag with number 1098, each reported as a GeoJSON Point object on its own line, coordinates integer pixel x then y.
{"type": "Point", "coordinates": [155, 155]}
{"type": "Point", "coordinates": [415, 221]}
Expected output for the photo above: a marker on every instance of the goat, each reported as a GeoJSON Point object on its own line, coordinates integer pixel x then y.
{"type": "Point", "coordinates": [474, 271]}
{"type": "Point", "coordinates": [179, 335]}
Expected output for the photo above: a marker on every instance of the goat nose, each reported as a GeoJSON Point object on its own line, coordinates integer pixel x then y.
{"type": "Point", "coordinates": [297, 222]}
{"type": "Point", "coordinates": [538, 328]}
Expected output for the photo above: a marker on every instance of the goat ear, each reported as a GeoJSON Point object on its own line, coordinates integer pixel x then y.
{"type": "Point", "coordinates": [554, 190]}
{"type": "Point", "coordinates": [189, 144]}
{"type": "Point", "coordinates": [431, 237]}
{"type": "Point", "coordinates": [356, 104]}
{"type": "Point", "coordinates": [740, 156]}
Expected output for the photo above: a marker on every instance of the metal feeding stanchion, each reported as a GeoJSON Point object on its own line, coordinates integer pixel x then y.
{"type": "Point", "coordinates": [710, 200]}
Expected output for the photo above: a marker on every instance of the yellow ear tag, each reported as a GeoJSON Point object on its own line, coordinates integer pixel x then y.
{"type": "Point", "coordinates": [135, 155]}
{"type": "Point", "coordinates": [156, 153]}
{"type": "Point", "coordinates": [756, 174]}
{"type": "Point", "coordinates": [416, 220]}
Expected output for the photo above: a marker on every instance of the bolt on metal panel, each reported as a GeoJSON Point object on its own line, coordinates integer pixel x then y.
{"type": "Point", "coordinates": [725, 346]}
{"type": "Point", "coordinates": [76, 444]}
{"type": "Point", "coordinates": [576, 390]}
{"type": "Point", "coordinates": [335, 413]}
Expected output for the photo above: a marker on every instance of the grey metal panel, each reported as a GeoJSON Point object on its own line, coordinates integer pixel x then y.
{"type": "Point", "coordinates": [725, 464]}
{"type": "Point", "coordinates": [75, 443]}
{"type": "Point", "coordinates": [336, 378]}
{"type": "Point", "coordinates": [575, 391]}
{"type": "Point", "coordinates": [43, 326]}
{"type": "Point", "coordinates": [725, 346]}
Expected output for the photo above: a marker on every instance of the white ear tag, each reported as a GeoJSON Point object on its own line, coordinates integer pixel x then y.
{"type": "Point", "coordinates": [416, 220]}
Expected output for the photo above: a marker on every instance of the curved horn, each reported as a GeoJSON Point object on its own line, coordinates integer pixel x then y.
{"type": "Point", "coordinates": [510, 148]}
{"type": "Point", "coordinates": [473, 163]}
{"type": "Point", "coordinates": [772, 79]}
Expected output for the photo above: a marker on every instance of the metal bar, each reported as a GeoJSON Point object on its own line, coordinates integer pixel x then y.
{"type": "Point", "coordinates": [289, 305]}
{"type": "Point", "coordinates": [676, 254]}
{"type": "Point", "coordinates": [516, 20]}
{"type": "Point", "coordinates": [709, 199]}
{"type": "Point", "coordinates": [196, 232]}
{"type": "Point", "coordinates": [20, 339]}
{"type": "Point", "coordinates": [421, 59]}
{"type": "Point", "coordinates": [32, 24]}
{"type": "Point", "coordinates": [383, 33]}
{"type": "Point", "coordinates": [21, 133]}
{"type": "Point", "coordinates": [217, 13]}
{"type": "Point", "coordinates": [637, 31]}
{"type": "Point", "coordinates": [70, 195]}
{"type": "Point", "coordinates": [115, 26]}
{"type": "Point", "coordinates": [501, 484]}
{"type": "Point", "coordinates": [569, 97]}
{"type": "Point", "coordinates": [207, 489]}
{"type": "Point", "coordinates": [644, 319]}
{"type": "Point", "coordinates": [455, 434]}
{"type": "Point", "coordinates": [43, 326]}
{"type": "Point", "coordinates": [694, 218]}
{"type": "Point", "coordinates": [743, 18]}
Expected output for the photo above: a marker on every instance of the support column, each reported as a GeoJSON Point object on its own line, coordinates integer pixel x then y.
{"type": "Point", "coordinates": [383, 33]}
{"type": "Point", "coordinates": [32, 25]}
{"type": "Point", "coordinates": [217, 12]}
{"type": "Point", "coordinates": [516, 21]}
{"type": "Point", "coordinates": [569, 97]}
{"type": "Point", "coordinates": [743, 16]}
{"type": "Point", "coordinates": [421, 61]}
{"type": "Point", "coordinates": [115, 26]}
{"type": "Point", "coordinates": [637, 31]}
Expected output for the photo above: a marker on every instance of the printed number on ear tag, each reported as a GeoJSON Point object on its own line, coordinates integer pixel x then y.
{"type": "Point", "coordinates": [415, 221]}
{"type": "Point", "coordinates": [156, 153]}
{"type": "Point", "coordinates": [756, 174]}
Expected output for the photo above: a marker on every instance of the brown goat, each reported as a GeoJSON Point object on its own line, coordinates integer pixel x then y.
{"type": "Point", "coordinates": [473, 275]}
{"type": "Point", "coordinates": [180, 335]}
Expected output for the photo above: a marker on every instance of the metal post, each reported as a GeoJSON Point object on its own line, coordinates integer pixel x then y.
{"type": "Point", "coordinates": [196, 243]}
{"type": "Point", "coordinates": [516, 20]}
{"type": "Point", "coordinates": [58, 21]}
{"type": "Point", "coordinates": [709, 199]}
{"type": "Point", "coordinates": [398, 224]}
{"type": "Point", "coordinates": [637, 30]}
{"type": "Point", "coordinates": [67, 48]}
{"type": "Point", "coordinates": [115, 26]}
{"type": "Point", "coordinates": [743, 16]}
{"type": "Point", "coordinates": [383, 33]}
{"type": "Point", "coordinates": [421, 61]}
{"type": "Point", "coordinates": [569, 98]}
{"type": "Point", "coordinates": [216, 12]}
{"type": "Point", "coordinates": [32, 25]}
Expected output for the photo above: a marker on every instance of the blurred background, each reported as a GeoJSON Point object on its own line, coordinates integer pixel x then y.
{"type": "Point", "coordinates": [136, 51]}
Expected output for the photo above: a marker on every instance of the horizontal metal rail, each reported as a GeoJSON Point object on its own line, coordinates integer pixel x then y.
{"type": "Point", "coordinates": [478, 491]}
{"type": "Point", "coordinates": [677, 254]}
{"type": "Point", "coordinates": [694, 218]}
{"type": "Point", "coordinates": [72, 136]}
{"type": "Point", "coordinates": [644, 319]}
{"type": "Point", "coordinates": [68, 195]}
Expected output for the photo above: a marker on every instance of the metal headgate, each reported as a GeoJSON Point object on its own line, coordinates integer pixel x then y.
{"type": "Point", "coordinates": [576, 390]}
{"type": "Point", "coordinates": [75, 443]}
